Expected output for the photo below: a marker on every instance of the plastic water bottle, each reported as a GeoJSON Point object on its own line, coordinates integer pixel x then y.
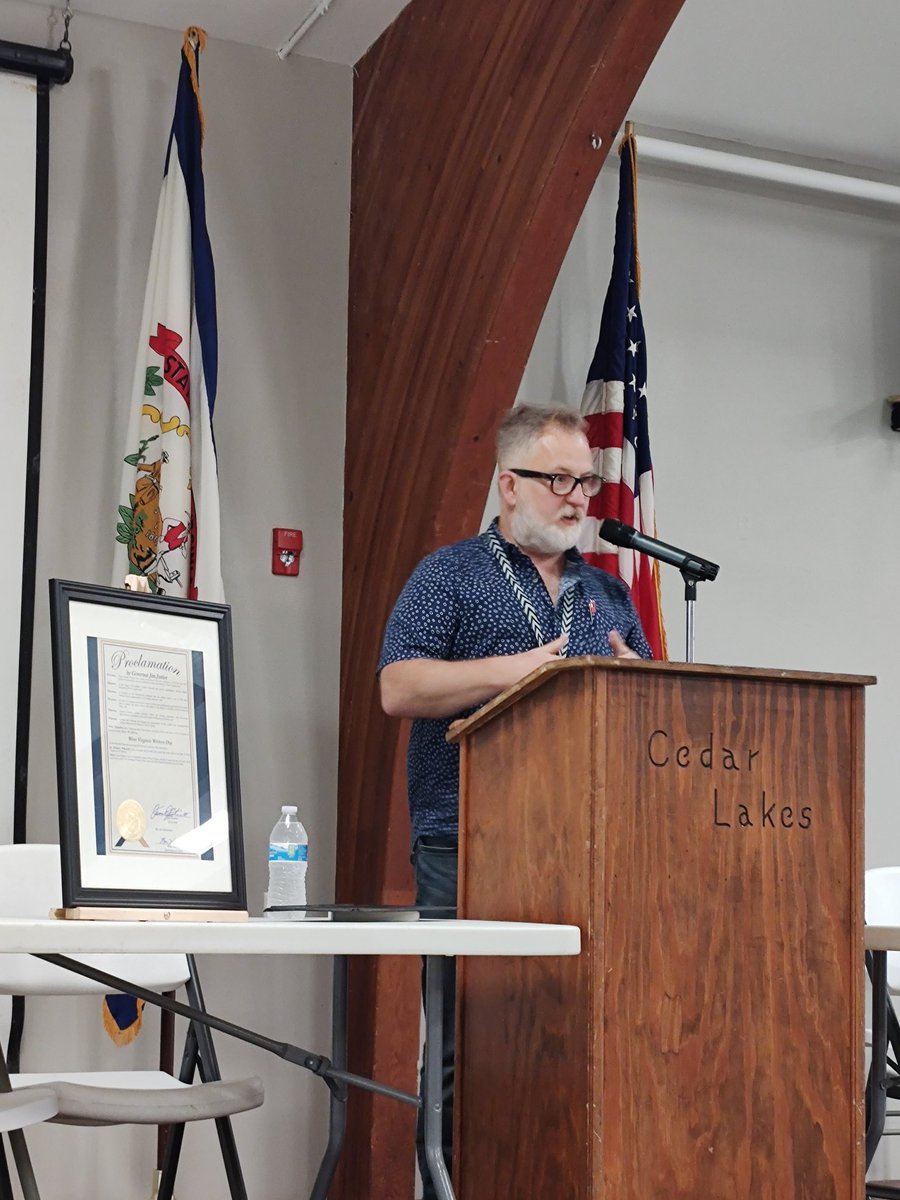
{"type": "Point", "coordinates": [288, 853]}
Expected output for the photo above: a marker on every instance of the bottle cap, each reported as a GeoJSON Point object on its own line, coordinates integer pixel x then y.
{"type": "Point", "coordinates": [289, 808]}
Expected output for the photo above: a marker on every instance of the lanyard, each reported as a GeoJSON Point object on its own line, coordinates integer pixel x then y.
{"type": "Point", "coordinates": [568, 603]}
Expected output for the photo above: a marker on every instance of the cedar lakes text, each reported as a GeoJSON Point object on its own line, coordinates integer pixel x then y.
{"type": "Point", "coordinates": [664, 751]}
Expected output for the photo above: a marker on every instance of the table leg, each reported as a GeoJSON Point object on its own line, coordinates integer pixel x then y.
{"type": "Point", "coordinates": [337, 1119]}
{"type": "Point", "coordinates": [432, 1090]}
{"type": "Point", "coordinates": [876, 1095]}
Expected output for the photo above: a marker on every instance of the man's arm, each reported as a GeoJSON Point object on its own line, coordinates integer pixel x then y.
{"type": "Point", "coordinates": [428, 687]}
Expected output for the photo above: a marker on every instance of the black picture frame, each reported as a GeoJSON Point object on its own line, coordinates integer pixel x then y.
{"type": "Point", "coordinates": [144, 708]}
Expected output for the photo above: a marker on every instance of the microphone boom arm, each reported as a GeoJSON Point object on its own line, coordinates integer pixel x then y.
{"type": "Point", "coordinates": [693, 568]}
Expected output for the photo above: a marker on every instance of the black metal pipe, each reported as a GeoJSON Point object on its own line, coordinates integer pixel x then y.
{"type": "Point", "coordinates": [47, 66]}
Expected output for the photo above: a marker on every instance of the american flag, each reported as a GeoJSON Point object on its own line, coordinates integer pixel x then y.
{"type": "Point", "coordinates": [615, 408]}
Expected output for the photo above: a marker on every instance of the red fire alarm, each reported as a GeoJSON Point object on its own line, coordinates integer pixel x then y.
{"type": "Point", "coordinates": [286, 547]}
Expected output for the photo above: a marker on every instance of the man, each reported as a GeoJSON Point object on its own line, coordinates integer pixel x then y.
{"type": "Point", "coordinates": [478, 616]}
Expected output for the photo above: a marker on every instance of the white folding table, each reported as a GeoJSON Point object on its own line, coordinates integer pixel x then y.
{"type": "Point", "coordinates": [338, 939]}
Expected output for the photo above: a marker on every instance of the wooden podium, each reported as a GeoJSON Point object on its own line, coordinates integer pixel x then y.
{"type": "Point", "coordinates": [704, 828]}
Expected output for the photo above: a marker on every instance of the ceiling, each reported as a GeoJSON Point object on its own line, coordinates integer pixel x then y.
{"type": "Point", "coordinates": [805, 77]}
{"type": "Point", "coordinates": [342, 34]}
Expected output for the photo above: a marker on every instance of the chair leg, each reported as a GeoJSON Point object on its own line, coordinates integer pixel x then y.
{"type": "Point", "coordinates": [208, 1066]}
{"type": "Point", "coordinates": [19, 1148]}
{"type": "Point", "coordinates": [24, 1168]}
{"type": "Point", "coordinates": [167, 1064]}
{"type": "Point", "coordinates": [170, 1159]}
{"type": "Point", "coordinates": [233, 1172]}
{"type": "Point", "coordinates": [172, 1152]}
{"type": "Point", "coordinates": [6, 1192]}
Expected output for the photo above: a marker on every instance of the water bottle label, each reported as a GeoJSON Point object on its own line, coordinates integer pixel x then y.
{"type": "Point", "coordinates": [292, 852]}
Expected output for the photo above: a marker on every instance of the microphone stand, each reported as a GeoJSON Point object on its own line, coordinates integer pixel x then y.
{"type": "Point", "coordinates": [693, 568]}
{"type": "Point", "coordinates": [691, 579]}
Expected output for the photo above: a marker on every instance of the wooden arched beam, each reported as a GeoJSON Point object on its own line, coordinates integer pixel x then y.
{"type": "Point", "coordinates": [472, 163]}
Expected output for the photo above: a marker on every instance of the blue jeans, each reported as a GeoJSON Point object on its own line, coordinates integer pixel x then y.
{"type": "Point", "coordinates": [435, 866]}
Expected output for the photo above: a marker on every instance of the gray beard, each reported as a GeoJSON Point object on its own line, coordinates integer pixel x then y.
{"type": "Point", "coordinates": [530, 535]}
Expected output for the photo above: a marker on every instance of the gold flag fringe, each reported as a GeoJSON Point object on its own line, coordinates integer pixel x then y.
{"type": "Point", "coordinates": [663, 641]}
{"type": "Point", "coordinates": [194, 44]}
{"type": "Point", "coordinates": [122, 1037]}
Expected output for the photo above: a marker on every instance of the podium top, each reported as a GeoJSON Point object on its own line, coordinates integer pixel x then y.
{"type": "Point", "coordinates": [459, 729]}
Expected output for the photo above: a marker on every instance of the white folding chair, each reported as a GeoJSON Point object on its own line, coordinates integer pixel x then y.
{"type": "Point", "coordinates": [882, 899]}
{"type": "Point", "coordinates": [30, 887]}
{"type": "Point", "coordinates": [883, 908]}
{"type": "Point", "coordinates": [16, 1111]}
{"type": "Point", "coordinates": [19, 1109]}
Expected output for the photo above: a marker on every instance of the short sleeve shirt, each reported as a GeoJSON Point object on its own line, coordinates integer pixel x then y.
{"type": "Point", "coordinates": [458, 605]}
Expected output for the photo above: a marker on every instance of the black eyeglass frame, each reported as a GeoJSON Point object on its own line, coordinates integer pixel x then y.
{"type": "Point", "coordinates": [552, 477]}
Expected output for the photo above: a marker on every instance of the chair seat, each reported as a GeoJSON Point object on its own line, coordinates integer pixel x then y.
{"type": "Point", "coordinates": [103, 1079]}
{"type": "Point", "coordinates": [30, 887]}
{"type": "Point", "coordinates": [18, 1110]}
{"type": "Point", "coordinates": [168, 1103]}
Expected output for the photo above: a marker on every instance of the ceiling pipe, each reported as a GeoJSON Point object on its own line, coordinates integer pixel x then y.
{"type": "Point", "coordinates": [668, 153]}
{"type": "Point", "coordinates": [319, 10]}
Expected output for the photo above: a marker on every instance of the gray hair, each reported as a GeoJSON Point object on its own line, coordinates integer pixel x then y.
{"type": "Point", "coordinates": [522, 426]}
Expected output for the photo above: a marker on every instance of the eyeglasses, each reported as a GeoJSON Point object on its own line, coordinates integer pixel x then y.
{"type": "Point", "coordinates": [563, 485]}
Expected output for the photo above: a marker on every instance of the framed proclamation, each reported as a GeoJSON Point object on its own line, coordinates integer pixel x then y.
{"type": "Point", "coordinates": [146, 750]}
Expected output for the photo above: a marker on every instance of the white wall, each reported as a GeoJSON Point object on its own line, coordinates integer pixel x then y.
{"type": "Point", "coordinates": [277, 161]}
{"type": "Point", "coordinates": [770, 330]}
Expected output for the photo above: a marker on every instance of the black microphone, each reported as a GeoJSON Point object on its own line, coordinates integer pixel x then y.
{"type": "Point", "coordinates": [620, 534]}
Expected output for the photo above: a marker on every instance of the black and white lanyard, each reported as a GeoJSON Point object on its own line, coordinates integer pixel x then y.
{"type": "Point", "coordinates": [568, 601]}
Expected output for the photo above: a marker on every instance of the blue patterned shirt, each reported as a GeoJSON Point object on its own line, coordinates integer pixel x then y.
{"type": "Point", "coordinates": [458, 605]}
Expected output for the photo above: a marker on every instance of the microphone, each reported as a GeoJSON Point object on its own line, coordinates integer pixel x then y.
{"type": "Point", "coordinates": [692, 565]}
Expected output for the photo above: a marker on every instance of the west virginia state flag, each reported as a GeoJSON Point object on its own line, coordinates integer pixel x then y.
{"type": "Point", "coordinates": [168, 518]}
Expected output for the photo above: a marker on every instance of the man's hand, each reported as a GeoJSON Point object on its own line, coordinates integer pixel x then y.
{"type": "Point", "coordinates": [530, 660]}
{"type": "Point", "coordinates": [620, 647]}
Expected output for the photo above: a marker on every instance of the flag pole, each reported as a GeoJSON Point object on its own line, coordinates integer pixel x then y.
{"type": "Point", "coordinates": [628, 145]}
{"type": "Point", "coordinates": [614, 406]}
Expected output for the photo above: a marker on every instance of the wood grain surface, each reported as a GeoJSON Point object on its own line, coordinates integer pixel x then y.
{"type": "Point", "coordinates": [472, 163]}
{"type": "Point", "coordinates": [706, 833]}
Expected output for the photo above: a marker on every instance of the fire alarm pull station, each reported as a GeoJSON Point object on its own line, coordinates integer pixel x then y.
{"type": "Point", "coordinates": [286, 547]}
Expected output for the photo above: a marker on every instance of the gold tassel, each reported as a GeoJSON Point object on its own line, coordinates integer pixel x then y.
{"type": "Point", "coordinates": [194, 44]}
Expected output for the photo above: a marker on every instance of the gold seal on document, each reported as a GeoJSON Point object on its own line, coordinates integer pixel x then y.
{"type": "Point", "coordinates": [131, 820]}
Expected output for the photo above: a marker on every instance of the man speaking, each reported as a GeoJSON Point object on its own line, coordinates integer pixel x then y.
{"type": "Point", "coordinates": [478, 616]}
